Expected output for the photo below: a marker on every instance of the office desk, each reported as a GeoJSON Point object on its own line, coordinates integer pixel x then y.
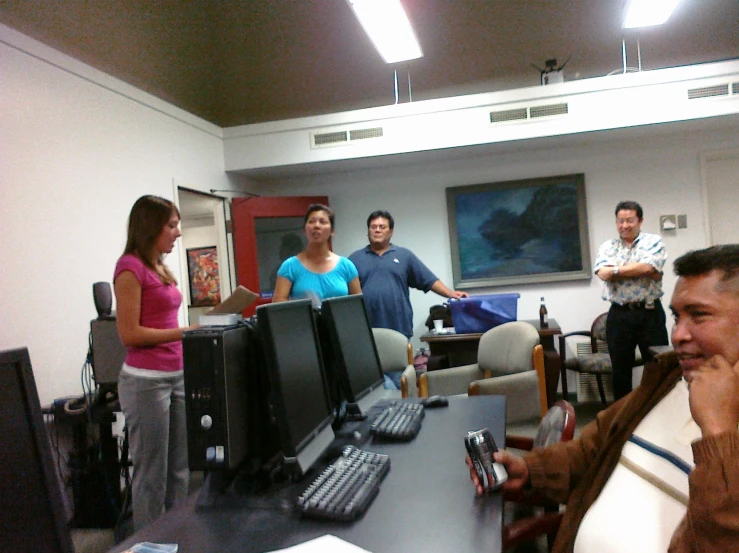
{"type": "Point", "coordinates": [426, 502]}
{"type": "Point", "coordinates": [461, 349]}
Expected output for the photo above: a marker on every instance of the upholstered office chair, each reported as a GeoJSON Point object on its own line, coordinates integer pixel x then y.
{"type": "Point", "coordinates": [558, 425]}
{"type": "Point", "coordinates": [526, 392]}
{"type": "Point", "coordinates": [508, 363]}
{"type": "Point", "coordinates": [396, 354]}
{"type": "Point", "coordinates": [591, 358]}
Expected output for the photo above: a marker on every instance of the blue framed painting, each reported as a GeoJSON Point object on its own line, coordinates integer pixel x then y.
{"type": "Point", "coordinates": [519, 232]}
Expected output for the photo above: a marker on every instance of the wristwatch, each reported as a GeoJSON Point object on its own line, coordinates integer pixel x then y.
{"type": "Point", "coordinates": [615, 271]}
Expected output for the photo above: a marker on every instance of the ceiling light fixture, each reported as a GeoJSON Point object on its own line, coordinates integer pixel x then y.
{"type": "Point", "coordinates": [647, 13]}
{"type": "Point", "coordinates": [389, 28]}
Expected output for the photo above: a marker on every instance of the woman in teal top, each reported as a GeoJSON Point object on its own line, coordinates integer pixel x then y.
{"type": "Point", "coordinates": [316, 271]}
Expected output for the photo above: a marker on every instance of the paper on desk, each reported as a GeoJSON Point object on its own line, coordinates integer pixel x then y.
{"type": "Point", "coordinates": [240, 299]}
{"type": "Point", "coordinates": [324, 544]}
{"type": "Point", "coordinates": [148, 547]}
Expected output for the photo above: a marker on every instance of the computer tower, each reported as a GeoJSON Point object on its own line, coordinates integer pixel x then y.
{"type": "Point", "coordinates": [216, 363]}
{"type": "Point", "coordinates": [108, 352]}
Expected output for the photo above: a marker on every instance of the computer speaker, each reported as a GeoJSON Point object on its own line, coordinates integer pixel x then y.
{"type": "Point", "coordinates": [103, 297]}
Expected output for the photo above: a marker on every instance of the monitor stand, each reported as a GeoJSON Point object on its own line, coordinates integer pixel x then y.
{"type": "Point", "coordinates": [354, 413]}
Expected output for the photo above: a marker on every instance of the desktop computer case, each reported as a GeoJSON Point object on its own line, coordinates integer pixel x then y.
{"type": "Point", "coordinates": [108, 352]}
{"type": "Point", "coordinates": [216, 367]}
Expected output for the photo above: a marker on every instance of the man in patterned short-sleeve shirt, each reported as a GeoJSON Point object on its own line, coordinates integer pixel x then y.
{"type": "Point", "coordinates": [631, 266]}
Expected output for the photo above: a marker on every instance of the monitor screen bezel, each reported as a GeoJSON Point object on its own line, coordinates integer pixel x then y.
{"type": "Point", "coordinates": [19, 361]}
{"type": "Point", "coordinates": [323, 430]}
{"type": "Point", "coordinates": [342, 370]}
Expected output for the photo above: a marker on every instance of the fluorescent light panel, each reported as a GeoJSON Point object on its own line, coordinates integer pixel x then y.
{"type": "Point", "coordinates": [647, 13]}
{"type": "Point", "coordinates": [387, 25]}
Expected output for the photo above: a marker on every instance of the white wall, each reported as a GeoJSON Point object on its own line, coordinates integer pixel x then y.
{"type": "Point", "coordinates": [78, 148]}
{"type": "Point", "coordinates": [661, 170]}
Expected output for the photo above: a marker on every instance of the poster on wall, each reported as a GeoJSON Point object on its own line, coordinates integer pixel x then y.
{"type": "Point", "coordinates": [202, 269]}
{"type": "Point", "coordinates": [519, 232]}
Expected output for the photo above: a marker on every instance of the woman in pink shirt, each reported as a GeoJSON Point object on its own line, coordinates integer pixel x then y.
{"type": "Point", "coordinates": [151, 383]}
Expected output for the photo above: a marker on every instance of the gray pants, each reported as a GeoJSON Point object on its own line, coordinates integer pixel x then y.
{"type": "Point", "coordinates": [155, 417]}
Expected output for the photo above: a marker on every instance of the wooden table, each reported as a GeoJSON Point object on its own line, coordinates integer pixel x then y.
{"type": "Point", "coordinates": [461, 349]}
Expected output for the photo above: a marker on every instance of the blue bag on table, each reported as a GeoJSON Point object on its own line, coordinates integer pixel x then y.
{"type": "Point", "coordinates": [478, 314]}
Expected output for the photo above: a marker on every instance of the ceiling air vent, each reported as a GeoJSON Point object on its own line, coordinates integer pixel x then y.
{"type": "Point", "coordinates": [526, 114]}
{"type": "Point", "coordinates": [508, 115]}
{"type": "Point", "coordinates": [546, 111]}
{"type": "Point", "coordinates": [708, 91]}
{"type": "Point", "coordinates": [322, 139]}
{"type": "Point", "coordinates": [345, 137]}
{"type": "Point", "coordinates": [735, 88]}
{"type": "Point", "coordinates": [361, 134]}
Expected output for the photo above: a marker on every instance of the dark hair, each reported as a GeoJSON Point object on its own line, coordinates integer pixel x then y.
{"type": "Point", "coordinates": [381, 213]}
{"type": "Point", "coordinates": [630, 206]}
{"type": "Point", "coordinates": [148, 217]}
{"type": "Point", "coordinates": [312, 208]}
{"type": "Point", "coordinates": [723, 258]}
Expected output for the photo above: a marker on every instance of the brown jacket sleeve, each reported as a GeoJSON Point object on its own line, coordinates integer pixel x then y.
{"type": "Point", "coordinates": [712, 521]}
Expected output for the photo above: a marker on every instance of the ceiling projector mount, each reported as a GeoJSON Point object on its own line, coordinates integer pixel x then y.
{"type": "Point", "coordinates": [552, 74]}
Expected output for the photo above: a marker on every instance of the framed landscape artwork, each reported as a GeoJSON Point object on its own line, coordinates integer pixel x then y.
{"type": "Point", "coordinates": [202, 269]}
{"type": "Point", "coordinates": [519, 232]}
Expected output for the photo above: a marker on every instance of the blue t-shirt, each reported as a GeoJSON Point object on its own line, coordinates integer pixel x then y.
{"type": "Point", "coordinates": [324, 285]}
{"type": "Point", "coordinates": [386, 280]}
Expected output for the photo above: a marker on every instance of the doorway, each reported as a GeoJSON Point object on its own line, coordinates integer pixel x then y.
{"type": "Point", "coordinates": [721, 195]}
{"type": "Point", "coordinates": [267, 230]}
{"type": "Point", "coordinates": [203, 220]}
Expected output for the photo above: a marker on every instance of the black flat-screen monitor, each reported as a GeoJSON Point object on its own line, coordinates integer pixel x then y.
{"type": "Point", "coordinates": [298, 386]}
{"type": "Point", "coordinates": [33, 517]}
{"type": "Point", "coordinates": [352, 344]}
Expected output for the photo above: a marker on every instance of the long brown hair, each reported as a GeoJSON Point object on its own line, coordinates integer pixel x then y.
{"type": "Point", "coordinates": [148, 217]}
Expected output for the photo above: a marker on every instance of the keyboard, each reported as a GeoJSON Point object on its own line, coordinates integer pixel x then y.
{"type": "Point", "coordinates": [345, 489]}
{"type": "Point", "coordinates": [401, 421]}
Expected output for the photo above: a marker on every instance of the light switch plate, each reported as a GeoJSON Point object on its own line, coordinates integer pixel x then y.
{"type": "Point", "coordinates": [667, 222]}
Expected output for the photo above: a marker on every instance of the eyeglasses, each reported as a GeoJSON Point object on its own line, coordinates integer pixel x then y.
{"type": "Point", "coordinates": [378, 227]}
{"type": "Point", "coordinates": [628, 221]}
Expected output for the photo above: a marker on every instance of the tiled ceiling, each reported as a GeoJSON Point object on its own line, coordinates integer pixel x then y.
{"type": "Point", "coordinates": [238, 62]}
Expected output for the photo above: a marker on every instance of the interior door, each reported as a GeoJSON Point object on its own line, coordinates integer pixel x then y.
{"type": "Point", "coordinates": [266, 231]}
{"type": "Point", "coordinates": [721, 195]}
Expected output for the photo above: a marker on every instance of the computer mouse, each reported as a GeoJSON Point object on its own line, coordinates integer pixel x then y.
{"type": "Point", "coordinates": [434, 401]}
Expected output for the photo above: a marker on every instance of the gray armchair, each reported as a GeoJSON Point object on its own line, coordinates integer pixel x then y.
{"type": "Point", "coordinates": [510, 362]}
{"type": "Point", "coordinates": [396, 354]}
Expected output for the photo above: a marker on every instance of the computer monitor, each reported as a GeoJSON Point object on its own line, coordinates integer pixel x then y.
{"type": "Point", "coordinates": [298, 386]}
{"type": "Point", "coordinates": [33, 518]}
{"type": "Point", "coordinates": [352, 348]}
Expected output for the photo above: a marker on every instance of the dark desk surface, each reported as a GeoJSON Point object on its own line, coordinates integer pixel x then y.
{"type": "Point", "coordinates": [551, 329]}
{"type": "Point", "coordinates": [426, 502]}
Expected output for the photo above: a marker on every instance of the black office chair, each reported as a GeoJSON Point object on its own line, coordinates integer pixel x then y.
{"type": "Point", "coordinates": [534, 515]}
{"type": "Point", "coordinates": [593, 360]}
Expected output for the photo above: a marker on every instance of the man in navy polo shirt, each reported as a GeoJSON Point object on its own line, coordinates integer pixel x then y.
{"type": "Point", "coordinates": [387, 271]}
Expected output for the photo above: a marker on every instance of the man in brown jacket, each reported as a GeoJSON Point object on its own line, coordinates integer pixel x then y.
{"type": "Point", "coordinates": [659, 469]}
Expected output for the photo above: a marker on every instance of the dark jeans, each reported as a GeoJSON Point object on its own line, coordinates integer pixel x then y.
{"type": "Point", "coordinates": [626, 329]}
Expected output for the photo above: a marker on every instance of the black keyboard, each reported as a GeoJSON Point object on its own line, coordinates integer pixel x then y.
{"type": "Point", "coordinates": [401, 421]}
{"type": "Point", "coordinates": [344, 490]}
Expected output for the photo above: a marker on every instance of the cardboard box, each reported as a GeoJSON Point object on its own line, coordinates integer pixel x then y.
{"type": "Point", "coordinates": [481, 313]}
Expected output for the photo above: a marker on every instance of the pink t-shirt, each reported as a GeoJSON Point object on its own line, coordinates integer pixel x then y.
{"type": "Point", "coordinates": [159, 306]}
